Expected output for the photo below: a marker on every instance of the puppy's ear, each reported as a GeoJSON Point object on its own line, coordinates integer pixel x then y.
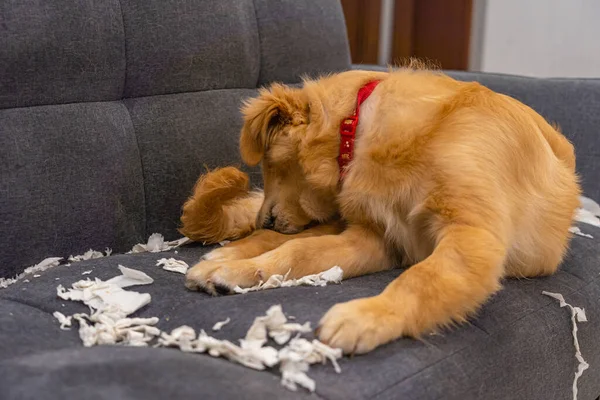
{"type": "Point", "coordinates": [261, 117]}
{"type": "Point", "coordinates": [265, 116]}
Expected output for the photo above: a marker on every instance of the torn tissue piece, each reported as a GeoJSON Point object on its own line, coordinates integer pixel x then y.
{"type": "Point", "coordinates": [184, 337]}
{"type": "Point", "coordinates": [590, 205]}
{"type": "Point", "coordinates": [99, 295]}
{"type": "Point", "coordinates": [130, 277]}
{"type": "Point", "coordinates": [6, 282]}
{"type": "Point", "coordinates": [224, 242]}
{"type": "Point", "coordinates": [113, 328]}
{"type": "Point", "coordinates": [110, 305]}
{"type": "Point", "coordinates": [589, 212]}
{"type": "Point", "coordinates": [181, 337]}
{"type": "Point", "coordinates": [108, 324]}
{"type": "Point", "coordinates": [577, 231]}
{"type": "Point", "coordinates": [65, 322]}
{"type": "Point", "coordinates": [220, 324]}
{"type": "Point", "coordinates": [332, 275]}
{"type": "Point", "coordinates": [173, 265]}
{"type": "Point", "coordinates": [44, 265]}
{"type": "Point", "coordinates": [156, 244]}
{"type": "Point", "coordinates": [275, 324]}
{"type": "Point", "coordinates": [90, 255]}
{"type": "Point", "coordinates": [293, 371]}
{"type": "Point", "coordinates": [296, 357]}
{"type": "Point", "coordinates": [36, 275]}
{"type": "Point", "coordinates": [86, 272]}
{"type": "Point", "coordinates": [577, 315]}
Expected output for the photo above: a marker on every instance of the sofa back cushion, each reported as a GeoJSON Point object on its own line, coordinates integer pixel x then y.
{"type": "Point", "coordinates": [110, 109]}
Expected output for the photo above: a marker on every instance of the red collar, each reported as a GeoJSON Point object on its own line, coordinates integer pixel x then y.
{"type": "Point", "coordinates": [348, 128]}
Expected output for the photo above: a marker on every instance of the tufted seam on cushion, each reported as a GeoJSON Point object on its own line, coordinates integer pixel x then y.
{"type": "Point", "coordinates": [147, 96]}
{"type": "Point", "coordinates": [259, 45]}
{"type": "Point", "coordinates": [26, 304]}
{"type": "Point", "coordinates": [124, 48]}
{"type": "Point", "coordinates": [135, 133]}
{"type": "Point", "coordinates": [549, 303]}
{"type": "Point", "coordinates": [143, 171]}
{"type": "Point", "coordinates": [137, 142]}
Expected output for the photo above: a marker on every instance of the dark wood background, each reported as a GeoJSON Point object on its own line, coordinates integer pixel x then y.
{"type": "Point", "coordinates": [438, 30]}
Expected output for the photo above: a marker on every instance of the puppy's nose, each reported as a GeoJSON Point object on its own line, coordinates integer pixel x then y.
{"type": "Point", "coordinates": [269, 222]}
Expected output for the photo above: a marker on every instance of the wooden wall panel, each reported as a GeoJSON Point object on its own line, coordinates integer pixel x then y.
{"type": "Point", "coordinates": [362, 22]}
{"type": "Point", "coordinates": [404, 29]}
{"type": "Point", "coordinates": [442, 31]}
{"type": "Point", "coordinates": [438, 30]}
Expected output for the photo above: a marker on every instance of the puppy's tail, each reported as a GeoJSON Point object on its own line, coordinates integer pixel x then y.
{"type": "Point", "coordinates": [562, 148]}
{"type": "Point", "coordinates": [221, 207]}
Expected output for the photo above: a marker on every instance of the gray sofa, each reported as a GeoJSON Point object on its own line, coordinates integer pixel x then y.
{"type": "Point", "coordinates": [109, 111]}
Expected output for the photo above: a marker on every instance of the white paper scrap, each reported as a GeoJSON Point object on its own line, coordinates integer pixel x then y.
{"type": "Point", "coordinates": [589, 212]}
{"type": "Point", "coordinates": [130, 277]}
{"type": "Point", "coordinates": [43, 265]}
{"type": "Point", "coordinates": [577, 231]}
{"type": "Point", "coordinates": [6, 282]}
{"type": "Point", "coordinates": [184, 338]}
{"type": "Point", "coordinates": [156, 244]}
{"type": "Point", "coordinates": [173, 265]}
{"type": "Point", "coordinates": [90, 255]}
{"type": "Point", "coordinates": [110, 305]}
{"type": "Point", "coordinates": [332, 275]}
{"type": "Point", "coordinates": [221, 324]}
{"type": "Point", "coordinates": [65, 322]}
{"type": "Point", "coordinates": [577, 315]}
{"type": "Point", "coordinates": [296, 357]}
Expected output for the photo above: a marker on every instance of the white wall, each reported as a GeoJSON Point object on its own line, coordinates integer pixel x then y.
{"type": "Point", "coordinates": [559, 38]}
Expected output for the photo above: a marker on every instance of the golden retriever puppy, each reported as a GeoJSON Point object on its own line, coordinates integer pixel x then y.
{"type": "Point", "coordinates": [464, 185]}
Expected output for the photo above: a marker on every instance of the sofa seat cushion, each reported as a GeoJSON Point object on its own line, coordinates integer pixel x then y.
{"type": "Point", "coordinates": [518, 346]}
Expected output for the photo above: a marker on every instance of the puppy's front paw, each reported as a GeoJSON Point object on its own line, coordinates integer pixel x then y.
{"type": "Point", "coordinates": [223, 254]}
{"type": "Point", "coordinates": [359, 326]}
{"type": "Point", "coordinates": [220, 277]}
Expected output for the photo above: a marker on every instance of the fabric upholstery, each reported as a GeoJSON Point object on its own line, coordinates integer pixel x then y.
{"type": "Point", "coordinates": [116, 373]}
{"type": "Point", "coordinates": [179, 136]}
{"type": "Point", "coordinates": [189, 45]}
{"type": "Point", "coordinates": [70, 179]}
{"type": "Point", "coordinates": [60, 51]}
{"type": "Point", "coordinates": [518, 346]}
{"type": "Point", "coordinates": [181, 67]}
{"type": "Point", "coordinates": [300, 37]}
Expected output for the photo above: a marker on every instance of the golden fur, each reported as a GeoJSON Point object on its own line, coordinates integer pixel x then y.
{"type": "Point", "coordinates": [221, 207]}
{"type": "Point", "coordinates": [465, 185]}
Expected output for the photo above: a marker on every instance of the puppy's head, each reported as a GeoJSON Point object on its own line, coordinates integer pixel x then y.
{"type": "Point", "coordinates": [300, 171]}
